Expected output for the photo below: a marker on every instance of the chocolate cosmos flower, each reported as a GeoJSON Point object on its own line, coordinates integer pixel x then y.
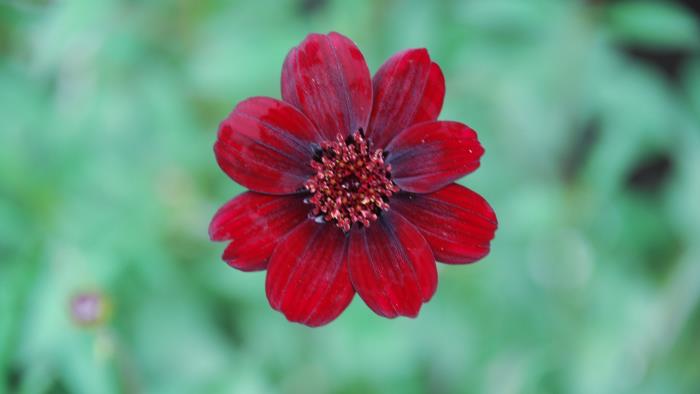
{"type": "Point", "coordinates": [351, 184]}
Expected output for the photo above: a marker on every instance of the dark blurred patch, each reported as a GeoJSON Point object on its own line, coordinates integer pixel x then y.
{"type": "Point", "coordinates": [581, 149]}
{"type": "Point", "coordinates": [431, 378]}
{"type": "Point", "coordinates": [57, 387]}
{"type": "Point", "coordinates": [692, 6]}
{"type": "Point", "coordinates": [14, 378]}
{"type": "Point", "coordinates": [225, 316]}
{"type": "Point", "coordinates": [669, 61]}
{"type": "Point", "coordinates": [689, 353]}
{"type": "Point", "coordinates": [661, 251]}
{"type": "Point", "coordinates": [650, 174]}
{"type": "Point", "coordinates": [553, 380]}
{"type": "Point", "coordinates": [307, 7]}
{"type": "Point", "coordinates": [10, 18]}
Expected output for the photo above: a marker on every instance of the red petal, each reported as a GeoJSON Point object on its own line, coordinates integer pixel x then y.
{"type": "Point", "coordinates": [255, 222]}
{"type": "Point", "coordinates": [327, 78]}
{"type": "Point", "coordinates": [409, 88]}
{"type": "Point", "coordinates": [266, 145]}
{"type": "Point", "coordinates": [307, 279]}
{"type": "Point", "coordinates": [430, 155]}
{"type": "Point", "coordinates": [457, 223]}
{"type": "Point", "coordinates": [391, 266]}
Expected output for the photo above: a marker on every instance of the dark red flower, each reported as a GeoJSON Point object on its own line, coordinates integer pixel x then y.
{"type": "Point", "coordinates": [351, 184]}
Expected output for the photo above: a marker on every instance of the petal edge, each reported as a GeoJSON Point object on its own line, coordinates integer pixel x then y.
{"type": "Point", "coordinates": [458, 223]}
{"type": "Point", "coordinates": [327, 78]}
{"type": "Point", "coordinates": [307, 279]}
{"type": "Point", "coordinates": [407, 89]}
{"type": "Point", "coordinates": [391, 266]}
{"type": "Point", "coordinates": [266, 145]}
{"type": "Point", "coordinates": [430, 155]}
{"type": "Point", "coordinates": [254, 223]}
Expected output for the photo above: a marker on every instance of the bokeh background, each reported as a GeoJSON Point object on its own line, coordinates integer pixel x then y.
{"type": "Point", "coordinates": [590, 115]}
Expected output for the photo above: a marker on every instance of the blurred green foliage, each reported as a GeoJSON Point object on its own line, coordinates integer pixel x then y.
{"type": "Point", "coordinates": [589, 113]}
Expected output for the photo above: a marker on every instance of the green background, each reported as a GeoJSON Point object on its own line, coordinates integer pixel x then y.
{"type": "Point", "coordinates": [589, 113]}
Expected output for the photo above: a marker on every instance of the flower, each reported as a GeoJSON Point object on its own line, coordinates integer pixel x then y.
{"type": "Point", "coordinates": [89, 308]}
{"type": "Point", "coordinates": [351, 184]}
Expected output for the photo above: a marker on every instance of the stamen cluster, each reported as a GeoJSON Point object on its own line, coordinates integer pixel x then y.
{"type": "Point", "coordinates": [351, 184]}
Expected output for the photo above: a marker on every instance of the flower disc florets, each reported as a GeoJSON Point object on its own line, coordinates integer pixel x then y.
{"type": "Point", "coordinates": [351, 184]}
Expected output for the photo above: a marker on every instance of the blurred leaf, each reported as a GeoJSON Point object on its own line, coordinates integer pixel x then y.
{"type": "Point", "coordinates": [107, 181]}
{"type": "Point", "coordinates": [653, 23]}
{"type": "Point", "coordinates": [692, 83]}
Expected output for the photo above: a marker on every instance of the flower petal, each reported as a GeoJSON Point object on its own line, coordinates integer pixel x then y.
{"type": "Point", "coordinates": [457, 223]}
{"type": "Point", "coordinates": [408, 89]}
{"type": "Point", "coordinates": [307, 279]}
{"type": "Point", "coordinates": [430, 155]}
{"type": "Point", "coordinates": [391, 266]}
{"type": "Point", "coordinates": [266, 145]}
{"type": "Point", "coordinates": [327, 78]}
{"type": "Point", "coordinates": [255, 222]}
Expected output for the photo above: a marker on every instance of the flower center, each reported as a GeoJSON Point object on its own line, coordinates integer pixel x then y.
{"type": "Point", "coordinates": [351, 184]}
